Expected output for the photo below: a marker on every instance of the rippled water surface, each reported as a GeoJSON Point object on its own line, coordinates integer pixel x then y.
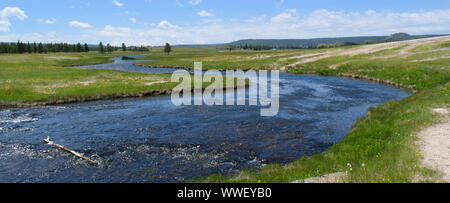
{"type": "Point", "coordinates": [151, 140]}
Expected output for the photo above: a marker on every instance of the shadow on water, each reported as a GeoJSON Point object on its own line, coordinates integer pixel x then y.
{"type": "Point", "coordinates": [151, 140]}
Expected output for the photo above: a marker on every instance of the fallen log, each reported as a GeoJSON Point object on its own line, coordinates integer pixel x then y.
{"type": "Point", "coordinates": [50, 142]}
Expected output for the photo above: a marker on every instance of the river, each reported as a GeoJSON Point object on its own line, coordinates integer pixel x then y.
{"type": "Point", "coordinates": [152, 140]}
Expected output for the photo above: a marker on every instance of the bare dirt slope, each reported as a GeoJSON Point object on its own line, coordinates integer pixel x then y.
{"type": "Point", "coordinates": [368, 49]}
{"type": "Point", "coordinates": [435, 146]}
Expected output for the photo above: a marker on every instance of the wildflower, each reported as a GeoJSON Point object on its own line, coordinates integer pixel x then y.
{"type": "Point", "coordinates": [388, 179]}
{"type": "Point", "coordinates": [363, 165]}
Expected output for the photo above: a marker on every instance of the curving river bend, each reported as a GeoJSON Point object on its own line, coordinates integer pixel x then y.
{"type": "Point", "coordinates": [151, 140]}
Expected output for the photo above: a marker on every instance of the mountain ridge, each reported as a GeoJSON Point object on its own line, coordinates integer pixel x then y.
{"type": "Point", "coordinates": [314, 42]}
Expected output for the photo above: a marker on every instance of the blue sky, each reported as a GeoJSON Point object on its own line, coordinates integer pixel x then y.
{"type": "Point", "coordinates": [154, 22]}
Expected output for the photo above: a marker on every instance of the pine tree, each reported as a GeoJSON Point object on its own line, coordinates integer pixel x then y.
{"type": "Point", "coordinates": [19, 47]}
{"type": "Point", "coordinates": [12, 48]}
{"type": "Point", "coordinates": [124, 47]}
{"type": "Point", "coordinates": [40, 48]}
{"type": "Point", "coordinates": [50, 47]}
{"type": "Point", "coordinates": [167, 49]}
{"type": "Point", "coordinates": [101, 48]}
{"type": "Point", "coordinates": [66, 47]}
{"type": "Point", "coordinates": [109, 48]}
{"type": "Point", "coordinates": [79, 48]}
{"type": "Point", "coordinates": [86, 47]}
{"type": "Point", "coordinates": [29, 49]}
{"type": "Point", "coordinates": [35, 48]}
{"type": "Point", "coordinates": [3, 48]}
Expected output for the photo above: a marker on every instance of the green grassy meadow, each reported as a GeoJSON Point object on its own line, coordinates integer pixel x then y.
{"type": "Point", "coordinates": [221, 58]}
{"type": "Point", "coordinates": [41, 79]}
{"type": "Point", "coordinates": [47, 78]}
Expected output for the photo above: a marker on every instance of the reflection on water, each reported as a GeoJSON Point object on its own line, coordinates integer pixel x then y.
{"type": "Point", "coordinates": [151, 140]}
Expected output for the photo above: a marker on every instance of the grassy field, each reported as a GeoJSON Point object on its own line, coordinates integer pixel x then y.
{"type": "Point", "coordinates": [33, 79]}
{"type": "Point", "coordinates": [222, 59]}
{"type": "Point", "coordinates": [380, 148]}
{"type": "Point", "coordinates": [45, 79]}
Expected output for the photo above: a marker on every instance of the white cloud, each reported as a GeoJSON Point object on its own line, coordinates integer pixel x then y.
{"type": "Point", "coordinates": [117, 3]}
{"type": "Point", "coordinates": [47, 21]}
{"type": "Point", "coordinates": [319, 23]}
{"type": "Point", "coordinates": [205, 13]}
{"type": "Point", "coordinates": [111, 31]}
{"type": "Point", "coordinates": [287, 16]}
{"type": "Point", "coordinates": [79, 24]}
{"type": "Point", "coordinates": [287, 24]}
{"type": "Point", "coordinates": [12, 12]}
{"type": "Point", "coordinates": [195, 2]}
{"type": "Point", "coordinates": [8, 13]}
{"type": "Point", "coordinates": [166, 25]}
{"type": "Point", "coordinates": [133, 20]}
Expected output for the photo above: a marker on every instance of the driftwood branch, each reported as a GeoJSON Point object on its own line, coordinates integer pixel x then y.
{"type": "Point", "coordinates": [48, 141]}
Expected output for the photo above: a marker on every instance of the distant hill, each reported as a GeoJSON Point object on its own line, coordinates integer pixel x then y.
{"type": "Point", "coordinates": [399, 37]}
{"type": "Point", "coordinates": [307, 43]}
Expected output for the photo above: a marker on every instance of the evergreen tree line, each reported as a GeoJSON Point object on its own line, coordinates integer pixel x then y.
{"type": "Point", "coordinates": [266, 47]}
{"type": "Point", "coordinates": [138, 49]}
{"type": "Point", "coordinates": [253, 47]}
{"type": "Point", "coordinates": [108, 48]}
{"type": "Point", "coordinates": [21, 47]}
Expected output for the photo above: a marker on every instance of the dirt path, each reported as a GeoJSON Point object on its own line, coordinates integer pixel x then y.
{"type": "Point", "coordinates": [330, 178]}
{"type": "Point", "coordinates": [435, 146]}
{"type": "Point", "coordinates": [369, 49]}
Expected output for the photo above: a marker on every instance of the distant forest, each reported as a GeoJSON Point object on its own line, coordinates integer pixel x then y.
{"type": "Point", "coordinates": [266, 44]}
{"type": "Point", "coordinates": [42, 48]}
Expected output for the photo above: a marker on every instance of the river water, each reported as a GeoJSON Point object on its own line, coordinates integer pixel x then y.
{"type": "Point", "coordinates": [151, 140]}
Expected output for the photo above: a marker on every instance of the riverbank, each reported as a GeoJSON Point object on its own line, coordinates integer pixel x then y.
{"type": "Point", "coordinates": [185, 68]}
{"type": "Point", "coordinates": [29, 80]}
{"type": "Point", "coordinates": [381, 146]}
{"type": "Point", "coordinates": [86, 98]}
